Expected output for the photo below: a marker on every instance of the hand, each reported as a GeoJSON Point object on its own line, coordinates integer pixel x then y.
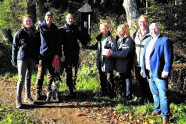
{"type": "Point", "coordinates": [164, 74]}
{"type": "Point", "coordinates": [107, 52]}
{"type": "Point", "coordinates": [56, 57]}
{"type": "Point", "coordinates": [141, 72]}
{"type": "Point", "coordinates": [62, 59]}
{"type": "Point", "coordinates": [36, 66]}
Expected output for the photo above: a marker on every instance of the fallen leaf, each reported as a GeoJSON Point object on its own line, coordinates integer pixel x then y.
{"type": "Point", "coordinates": [81, 114]}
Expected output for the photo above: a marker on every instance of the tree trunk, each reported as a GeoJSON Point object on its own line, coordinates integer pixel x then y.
{"type": "Point", "coordinates": [7, 35]}
{"type": "Point", "coordinates": [40, 10]}
{"type": "Point", "coordinates": [131, 13]}
{"type": "Point", "coordinates": [32, 10]}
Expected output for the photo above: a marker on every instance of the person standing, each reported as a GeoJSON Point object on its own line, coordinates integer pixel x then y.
{"type": "Point", "coordinates": [25, 53]}
{"type": "Point", "coordinates": [105, 42]}
{"type": "Point", "coordinates": [141, 37]}
{"type": "Point", "coordinates": [50, 48]}
{"type": "Point", "coordinates": [69, 37]}
{"type": "Point", "coordinates": [157, 59]}
{"type": "Point", "coordinates": [123, 56]}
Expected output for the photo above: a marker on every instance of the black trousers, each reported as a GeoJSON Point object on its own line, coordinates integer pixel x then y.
{"type": "Point", "coordinates": [71, 67]}
{"type": "Point", "coordinates": [106, 82]}
{"type": "Point", "coordinates": [143, 83]}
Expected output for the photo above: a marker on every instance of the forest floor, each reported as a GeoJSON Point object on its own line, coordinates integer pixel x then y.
{"type": "Point", "coordinates": [78, 110]}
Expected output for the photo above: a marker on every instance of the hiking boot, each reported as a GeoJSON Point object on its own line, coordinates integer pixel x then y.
{"type": "Point", "coordinates": [48, 96]}
{"type": "Point", "coordinates": [18, 102]}
{"type": "Point", "coordinates": [29, 100]}
{"type": "Point", "coordinates": [165, 121]}
{"type": "Point", "coordinates": [154, 113]}
{"type": "Point", "coordinates": [38, 96]}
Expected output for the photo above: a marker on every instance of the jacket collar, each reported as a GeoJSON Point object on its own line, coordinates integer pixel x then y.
{"type": "Point", "coordinates": [98, 38]}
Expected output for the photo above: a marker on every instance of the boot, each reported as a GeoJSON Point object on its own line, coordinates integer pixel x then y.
{"type": "Point", "coordinates": [48, 96]}
{"type": "Point", "coordinates": [18, 102]}
{"type": "Point", "coordinates": [38, 95]}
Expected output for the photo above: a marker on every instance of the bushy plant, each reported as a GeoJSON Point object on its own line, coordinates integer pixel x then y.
{"type": "Point", "coordinates": [11, 12]}
{"type": "Point", "coordinates": [122, 109]}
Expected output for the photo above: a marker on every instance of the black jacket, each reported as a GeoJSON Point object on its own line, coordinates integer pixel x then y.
{"type": "Point", "coordinates": [69, 36]}
{"type": "Point", "coordinates": [25, 46]}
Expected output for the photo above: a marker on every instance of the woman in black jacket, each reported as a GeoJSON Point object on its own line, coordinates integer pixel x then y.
{"type": "Point", "coordinates": [25, 53]}
{"type": "Point", "coordinates": [123, 56]}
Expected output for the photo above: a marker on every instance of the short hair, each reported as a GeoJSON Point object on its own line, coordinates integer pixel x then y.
{"type": "Point", "coordinates": [124, 28]}
{"type": "Point", "coordinates": [104, 25]}
{"type": "Point", "coordinates": [68, 14]}
{"type": "Point", "coordinates": [143, 16]}
{"type": "Point", "coordinates": [49, 13]}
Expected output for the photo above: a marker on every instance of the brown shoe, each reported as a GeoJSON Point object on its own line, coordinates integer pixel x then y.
{"type": "Point", "coordinates": [154, 113]}
{"type": "Point", "coordinates": [18, 102]}
{"type": "Point", "coordinates": [29, 100]}
{"type": "Point", "coordinates": [165, 121]}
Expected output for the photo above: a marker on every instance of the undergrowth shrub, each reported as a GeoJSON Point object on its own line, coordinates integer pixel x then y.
{"type": "Point", "coordinates": [9, 115]}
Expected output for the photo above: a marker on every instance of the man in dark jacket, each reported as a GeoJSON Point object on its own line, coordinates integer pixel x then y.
{"type": "Point", "coordinates": [50, 48]}
{"type": "Point", "coordinates": [69, 35]}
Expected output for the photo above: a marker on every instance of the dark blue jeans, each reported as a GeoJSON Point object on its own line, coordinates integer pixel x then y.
{"type": "Point", "coordinates": [126, 83]}
{"type": "Point", "coordinates": [25, 69]}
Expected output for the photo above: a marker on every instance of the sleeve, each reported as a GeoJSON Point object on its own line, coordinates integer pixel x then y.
{"type": "Point", "coordinates": [59, 43]}
{"type": "Point", "coordinates": [168, 55]}
{"type": "Point", "coordinates": [93, 47]}
{"type": "Point", "coordinates": [15, 49]}
{"type": "Point", "coordinates": [123, 49]}
{"type": "Point", "coordinates": [38, 39]}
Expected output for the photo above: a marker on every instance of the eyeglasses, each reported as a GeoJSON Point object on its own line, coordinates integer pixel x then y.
{"type": "Point", "coordinates": [143, 21]}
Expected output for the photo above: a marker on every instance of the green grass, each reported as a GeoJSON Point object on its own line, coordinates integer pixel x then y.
{"type": "Point", "coordinates": [88, 80]}
{"type": "Point", "coordinates": [9, 115]}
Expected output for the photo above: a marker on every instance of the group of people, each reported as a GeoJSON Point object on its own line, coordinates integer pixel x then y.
{"type": "Point", "coordinates": [39, 47]}
{"type": "Point", "coordinates": [152, 60]}
{"type": "Point", "coordinates": [147, 51]}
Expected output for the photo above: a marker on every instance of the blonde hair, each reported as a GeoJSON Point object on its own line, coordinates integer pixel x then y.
{"type": "Point", "coordinates": [143, 16]}
{"type": "Point", "coordinates": [69, 14]}
{"type": "Point", "coordinates": [104, 25]}
{"type": "Point", "coordinates": [124, 28]}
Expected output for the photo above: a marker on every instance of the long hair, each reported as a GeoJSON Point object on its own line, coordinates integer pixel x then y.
{"type": "Point", "coordinates": [125, 28]}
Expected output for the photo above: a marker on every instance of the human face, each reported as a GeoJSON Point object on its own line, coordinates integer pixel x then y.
{"type": "Point", "coordinates": [49, 19]}
{"type": "Point", "coordinates": [27, 22]}
{"type": "Point", "coordinates": [143, 23]}
{"type": "Point", "coordinates": [121, 33]}
{"type": "Point", "coordinates": [104, 30]}
{"type": "Point", "coordinates": [69, 19]}
{"type": "Point", "coordinates": [154, 30]}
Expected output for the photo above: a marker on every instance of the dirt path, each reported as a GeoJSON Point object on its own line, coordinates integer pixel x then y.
{"type": "Point", "coordinates": [67, 111]}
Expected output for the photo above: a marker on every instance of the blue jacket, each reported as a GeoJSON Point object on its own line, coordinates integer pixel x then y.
{"type": "Point", "coordinates": [25, 46]}
{"type": "Point", "coordinates": [50, 44]}
{"type": "Point", "coordinates": [161, 57]}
